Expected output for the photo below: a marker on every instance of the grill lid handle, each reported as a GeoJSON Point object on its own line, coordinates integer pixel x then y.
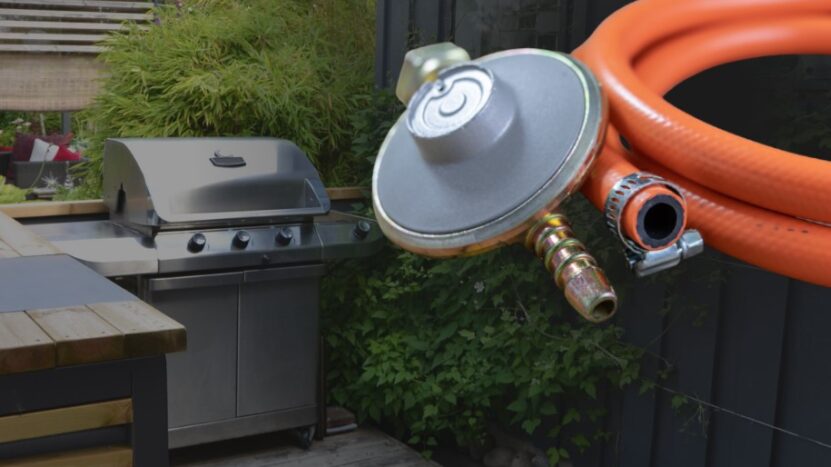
{"type": "Point", "coordinates": [220, 160]}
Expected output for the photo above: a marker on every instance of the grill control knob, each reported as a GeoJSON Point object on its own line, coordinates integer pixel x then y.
{"type": "Point", "coordinates": [361, 230]}
{"type": "Point", "coordinates": [197, 243]}
{"type": "Point", "coordinates": [284, 236]}
{"type": "Point", "coordinates": [241, 239]}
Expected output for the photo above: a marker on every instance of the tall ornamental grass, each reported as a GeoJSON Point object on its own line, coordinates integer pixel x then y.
{"type": "Point", "coordinates": [295, 69]}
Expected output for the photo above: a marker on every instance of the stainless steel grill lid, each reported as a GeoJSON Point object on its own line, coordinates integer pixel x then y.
{"type": "Point", "coordinates": [484, 148]}
{"type": "Point", "coordinates": [182, 183]}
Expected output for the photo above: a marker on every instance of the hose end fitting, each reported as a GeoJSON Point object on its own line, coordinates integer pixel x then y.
{"type": "Point", "coordinates": [574, 269]}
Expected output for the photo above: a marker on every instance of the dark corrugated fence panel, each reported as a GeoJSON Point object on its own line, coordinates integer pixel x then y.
{"type": "Point", "coordinates": [805, 401]}
{"type": "Point", "coordinates": [641, 316]}
{"type": "Point", "coordinates": [392, 31]}
{"type": "Point", "coordinates": [751, 332]}
{"type": "Point", "coordinates": [689, 342]}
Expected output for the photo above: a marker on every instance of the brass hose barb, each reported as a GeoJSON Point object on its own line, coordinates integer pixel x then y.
{"type": "Point", "coordinates": [574, 269]}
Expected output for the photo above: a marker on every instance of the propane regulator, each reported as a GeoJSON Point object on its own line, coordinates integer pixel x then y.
{"type": "Point", "coordinates": [486, 151]}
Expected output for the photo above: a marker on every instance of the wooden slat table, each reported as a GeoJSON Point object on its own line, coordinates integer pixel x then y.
{"type": "Point", "coordinates": [82, 382]}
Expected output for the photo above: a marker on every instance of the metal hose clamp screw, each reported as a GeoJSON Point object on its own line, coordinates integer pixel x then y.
{"type": "Point", "coordinates": [574, 269]}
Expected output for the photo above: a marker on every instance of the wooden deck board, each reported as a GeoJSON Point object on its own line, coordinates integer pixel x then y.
{"type": "Point", "coordinates": [363, 447]}
{"type": "Point", "coordinates": [107, 456]}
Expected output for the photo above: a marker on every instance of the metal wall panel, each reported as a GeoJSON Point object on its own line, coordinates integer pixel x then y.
{"type": "Point", "coordinates": [400, 24]}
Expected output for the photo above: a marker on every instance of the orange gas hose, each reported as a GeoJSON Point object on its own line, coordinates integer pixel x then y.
{"type": "Point", "coordinates": [747, 199]}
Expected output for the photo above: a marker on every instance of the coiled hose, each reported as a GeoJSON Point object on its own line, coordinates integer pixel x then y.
{"type": "Point", "coordinates": [762, 205]}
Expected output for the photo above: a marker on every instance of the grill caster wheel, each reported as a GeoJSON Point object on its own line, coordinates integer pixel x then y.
{"type": "Point", "coordinates": [304, 436]}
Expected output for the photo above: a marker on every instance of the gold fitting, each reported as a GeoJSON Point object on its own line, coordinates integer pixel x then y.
{"type": "Point", "coordinates": [574, 269]}
{"type": "Point", "coordinates": [424, 64]}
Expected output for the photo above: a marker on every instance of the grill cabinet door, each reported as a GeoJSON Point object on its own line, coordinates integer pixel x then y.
{"type": "Point", "coordinates": [201, 381]}
{"type": "Point", "coordinates": [278, 332]}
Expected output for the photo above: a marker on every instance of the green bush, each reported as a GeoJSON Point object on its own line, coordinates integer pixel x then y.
{"type": "Point", "coordinates": [436, 349]}
{"type": "Point", "coordinates": [10, 193]}
{"type": "Point", "coordinates": [295, 69]}
{"type": "Point", "coordinates": [12, 123]}
{"type": "Point", "coordinates": [433, 348]}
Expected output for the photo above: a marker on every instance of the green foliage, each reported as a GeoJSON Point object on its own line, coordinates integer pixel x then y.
{"type": "Point", "coordinates": [295, 69]}
{"type": "Point", "coordinates": [8, 130]}
{"type": "Point", "coordinates": [437, 348]}
{"type": "Point", "coordinates": [12, 123]}
{"type": "Point", "coordinates": [370, 125]}
{"type": "Point", "coordinates": [10, 193]}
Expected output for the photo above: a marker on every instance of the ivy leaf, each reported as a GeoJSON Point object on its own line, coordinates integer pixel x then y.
{"type": "Point", "coordinates": [467, 334]}
{"type": "Point", "coordinates": [375, 413]}
{"type": "Point", "coordinates": [518, 406]}
{"type": "Point", "coordinates": [581, 442]}
{"type": "Point", "coordinates": [415, 343]}
{"type": "Point", "coordinates": [430, 411]}
{"type": "Point", "coordinates": [548, 408]}
{"type": "Point", "coordinates": [503, 377]}
{"type": "Point", "coordinates": [530, 425]}
{"type": "Point", "coordinates": [590, 389]}
{"type": "Point", "coordinates": [571, 416]}
{"type": "Point", "coordinates": [553, 456]}
{"type": "Point", "coordinates": [447, 331]}
{"type": "Point", "coordinates": [678, 401]}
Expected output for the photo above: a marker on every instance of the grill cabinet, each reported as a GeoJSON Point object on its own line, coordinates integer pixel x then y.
{"type": "Point", "coordinates": [228, 236]}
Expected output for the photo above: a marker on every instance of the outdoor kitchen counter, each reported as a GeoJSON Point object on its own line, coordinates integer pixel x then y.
{"type": "Point", "coordinates": [82, 361]}
{"type": "Point", "coordinates": [56, 312]}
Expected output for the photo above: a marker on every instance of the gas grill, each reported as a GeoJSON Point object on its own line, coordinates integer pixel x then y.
{"type": "Point", "coordinates": [228, 236]}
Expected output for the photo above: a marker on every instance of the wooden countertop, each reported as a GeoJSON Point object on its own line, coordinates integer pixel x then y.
{"type": "Point", "coordinates": [36, 339]}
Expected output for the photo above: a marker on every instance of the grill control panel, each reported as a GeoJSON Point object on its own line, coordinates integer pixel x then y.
{"type": "Point", "coordinates": [263, 245]}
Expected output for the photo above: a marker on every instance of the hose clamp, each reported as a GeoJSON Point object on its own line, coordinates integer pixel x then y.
{"type": "Point", "coordinates": [622, 192]}
{"type": "Point", "coordinates": [643, 262]}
